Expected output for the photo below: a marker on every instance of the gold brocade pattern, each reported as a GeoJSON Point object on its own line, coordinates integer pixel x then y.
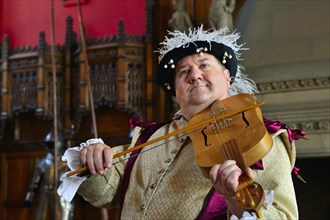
{"type": "Point", "coordinates": [171, 188]}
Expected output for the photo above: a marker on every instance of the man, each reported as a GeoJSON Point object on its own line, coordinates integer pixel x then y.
{"type": "Point", "coordinates": [165, 182]}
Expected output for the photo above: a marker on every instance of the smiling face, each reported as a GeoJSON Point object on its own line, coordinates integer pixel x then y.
{"type": "Point", "coordinates": [199, 81]}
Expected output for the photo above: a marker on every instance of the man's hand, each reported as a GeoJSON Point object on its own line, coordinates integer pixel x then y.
{"type": "Point", "coordinates": [225, 179]}
{"type": "Point", "coordinates": [97, 157]}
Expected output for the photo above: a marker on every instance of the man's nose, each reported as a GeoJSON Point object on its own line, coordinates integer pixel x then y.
{"type": "Point", "coordinates": [195, 73]}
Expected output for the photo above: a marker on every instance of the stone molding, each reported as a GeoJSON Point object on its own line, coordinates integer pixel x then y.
{"type": "Point", "coordinates": [312, 126]}
{"type": "Point", "coordinates": [293, 85]}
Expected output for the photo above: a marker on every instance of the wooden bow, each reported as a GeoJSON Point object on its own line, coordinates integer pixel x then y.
{"type": "Point", "coordinates": [191, 128]}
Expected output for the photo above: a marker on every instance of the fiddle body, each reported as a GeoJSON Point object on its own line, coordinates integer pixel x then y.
{"type": "Point", "coordinates": [247, 128]}
{"type": "Point", "coordinates": [240, 137]}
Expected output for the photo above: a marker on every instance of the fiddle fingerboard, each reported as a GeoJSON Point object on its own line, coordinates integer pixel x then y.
{"type": "Point", "coordinates": [231, 151]}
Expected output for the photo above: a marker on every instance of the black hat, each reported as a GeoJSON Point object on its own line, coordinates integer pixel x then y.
{"type": "Point", "coordinates": [220, 43]}
{"type": "Point", "coordinates": [165, 73]}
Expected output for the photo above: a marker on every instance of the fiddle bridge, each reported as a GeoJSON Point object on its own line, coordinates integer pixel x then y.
{"type": "Point", "coordinates": [219, 124]}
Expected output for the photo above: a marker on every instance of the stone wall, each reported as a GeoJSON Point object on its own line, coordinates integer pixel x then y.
{"type": "Point", "coordinates": [288, 57]}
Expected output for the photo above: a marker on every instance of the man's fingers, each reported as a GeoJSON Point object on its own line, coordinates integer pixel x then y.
{"type": "Point", "coordinates": [224, 177]}
{"type": "Point", "coordinates": [83, 155]}
{"type": "Point", "coordinates": [214, 173]}
{"type": "Point", "coordinates": [251, 173]}
{"type": "Point", "coordinates": [98, 158]}
{"type": "Point", "coordinates": [90, 160]}
{"type": "Point", "coordinates": [108, 155]}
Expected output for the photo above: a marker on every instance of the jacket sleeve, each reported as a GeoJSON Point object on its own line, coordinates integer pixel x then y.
{"type": "Point", "coordinates": [100, 191]}
{"type": "Point", "coordinates": [276, 176]}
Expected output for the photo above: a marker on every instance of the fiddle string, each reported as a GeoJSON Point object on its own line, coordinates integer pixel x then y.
{"type": "Point", "coordinates": [220, 133]}
{"type": "Point", "coordinates": [249, 194]}
{"type": "Point", "coordinates": [230, 147]}
{"type": "Point", "coordinates": [230, 150]}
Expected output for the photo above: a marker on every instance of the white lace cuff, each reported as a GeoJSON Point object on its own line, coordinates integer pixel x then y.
{"type": "Point", "coordinates": [69, 185]}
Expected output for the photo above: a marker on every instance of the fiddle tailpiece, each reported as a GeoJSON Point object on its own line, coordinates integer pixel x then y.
{"type": "Point", "coordinates": [250, 196]}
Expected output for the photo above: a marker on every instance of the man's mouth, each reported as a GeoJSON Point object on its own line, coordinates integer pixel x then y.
{"type": "Point", "coordinates": [197, 86]}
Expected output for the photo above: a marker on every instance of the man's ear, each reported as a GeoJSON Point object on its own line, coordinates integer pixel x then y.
{"type": "Point", "coordinates": [227, 75]}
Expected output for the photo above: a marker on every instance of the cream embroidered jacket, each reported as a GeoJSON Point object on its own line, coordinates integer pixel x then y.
{"type": "Point", "coordinates": [166, 182]}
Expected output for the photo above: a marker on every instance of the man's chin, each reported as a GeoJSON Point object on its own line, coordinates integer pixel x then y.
{"type": "Point", "coordinates": [202, 101]}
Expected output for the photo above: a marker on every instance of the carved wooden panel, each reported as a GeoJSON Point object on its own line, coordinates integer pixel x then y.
{"type": "Point", "coordinates": [117, 70]}
{"type": "Point", "coordinates": [27, 80]}
{"type": "Point", "coordinates": [16, 171]}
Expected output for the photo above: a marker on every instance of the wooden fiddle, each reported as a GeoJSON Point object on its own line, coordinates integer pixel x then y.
{"type": "Point", "coordinates": [241, 137]}
{"type": "Point", "coordinates": [229, 129]}
{"type": "Point", "coordinates": [190, 128]}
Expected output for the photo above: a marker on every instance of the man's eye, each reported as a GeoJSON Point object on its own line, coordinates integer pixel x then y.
{"type": "Point", "coordinates": [183, 72]}
{"type": "Point", "coordinates": [204, 65]}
